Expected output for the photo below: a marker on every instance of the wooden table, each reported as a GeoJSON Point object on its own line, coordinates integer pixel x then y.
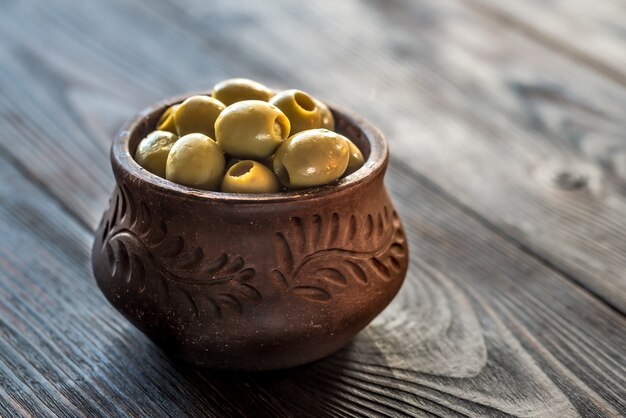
{"type": "Point", "coordinates": [507, 127]}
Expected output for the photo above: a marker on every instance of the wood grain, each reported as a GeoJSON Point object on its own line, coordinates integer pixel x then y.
{"type": "Point", "coordinates": [508, 172]}
{"type": "Point", "coordinates": [593, 35]}
{"type": "Point", "coordinates": [468, 317]}
{"type": "Point", "coordinates": [484, 116]}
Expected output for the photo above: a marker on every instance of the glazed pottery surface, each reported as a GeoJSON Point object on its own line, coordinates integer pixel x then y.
{"type": "Point", "coordinates": [250, 282]}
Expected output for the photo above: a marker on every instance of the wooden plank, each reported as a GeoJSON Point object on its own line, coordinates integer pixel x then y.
{"type": "Point", "coordinates": [88, 83]}
{"type": "Point", "coordinates": [86, 89]}
{"type": "Point", "coordinates": [481, 327]}
{"type": "Point", "coordinates": [592, 34]}
{"type": "Point", "coordinates": [478, 329]}
{"type": "Point", "coordinates": [471, 104]}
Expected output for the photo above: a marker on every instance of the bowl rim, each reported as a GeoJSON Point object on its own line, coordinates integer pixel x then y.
{"type": "Point", "coordinates": [123, 161]}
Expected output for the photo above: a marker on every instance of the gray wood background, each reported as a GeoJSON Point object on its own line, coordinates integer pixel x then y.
{"type": "Point", "coordinates": [507, 127]}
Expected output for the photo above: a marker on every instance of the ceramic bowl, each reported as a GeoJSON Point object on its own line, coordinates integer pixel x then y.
{"type": "Point", "coordinates": [250, 282]}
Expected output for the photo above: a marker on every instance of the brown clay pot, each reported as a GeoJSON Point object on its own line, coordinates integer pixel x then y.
{"type": "Point", "coordinates": [250, 282]}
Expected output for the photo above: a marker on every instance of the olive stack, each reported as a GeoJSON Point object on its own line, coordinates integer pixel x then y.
{"type": "Point", "coordinates": [246, 139]}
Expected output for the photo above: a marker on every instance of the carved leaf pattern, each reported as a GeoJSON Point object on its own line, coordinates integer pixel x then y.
{"type": "Point", "coordinates": [319, 256]}
{"type": "Point", "coordinates": [144, 255]}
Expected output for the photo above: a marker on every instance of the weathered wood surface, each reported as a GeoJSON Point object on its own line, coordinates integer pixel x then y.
{"type": "Point", "coordinates": [509, 171]}
{"type": "Point", "coordinates": [478, 108]}
{"type": "Point", "coordinates": [591, 33]}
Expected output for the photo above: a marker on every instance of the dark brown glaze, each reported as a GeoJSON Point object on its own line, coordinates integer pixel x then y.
{"type": "Point", "coordinates": [250, 282]}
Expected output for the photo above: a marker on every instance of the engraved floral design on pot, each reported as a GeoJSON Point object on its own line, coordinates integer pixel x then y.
{"type": "Point", "coordinates": [138, 246]}
{"type": "Point", "coordinates": [319, 256]}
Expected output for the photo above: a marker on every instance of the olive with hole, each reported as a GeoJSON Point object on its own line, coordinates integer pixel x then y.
{"type": "Point", "coordinates": [153, 150]}
{"type": "Point", "coordinates": [356, 159]}
{"type": "Point", "coordinates": [267, 162]}
{"type": "Point", "coordinates": [196, 160]}
{"type": "Point", "coordinates": [311, 158]}
{"type": "Point", "coordinates": [238, 89]}
{"type": "Point", "coordinates": [251, 129]}
{"type": "Point", "coordinates": [249, 176]}
{"type": "Point", "coordinates": [327, 118]}
{"type": "Point", "coordinates": [300, 108]}
{"type": "Point", "coordinates": [197, 114]}
{"type": "Point", "coordinates": [166, 121]}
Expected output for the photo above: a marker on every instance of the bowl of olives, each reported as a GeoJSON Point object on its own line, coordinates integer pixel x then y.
{"type": "Point", "coordinates": [249, 228]}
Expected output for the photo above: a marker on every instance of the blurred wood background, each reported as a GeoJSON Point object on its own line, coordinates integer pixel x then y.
{"type": "Point", "coordinates": [507, 127]}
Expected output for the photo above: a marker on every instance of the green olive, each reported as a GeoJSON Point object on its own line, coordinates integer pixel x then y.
{"type": "Point", "coordinates": [196, 160]}
{"type": "Point", "coordinates": [197, 114]}
{"type": "Point", "coordinates": [356, 159]}
{"type": "Point", "coordinates": [300, 108]}
{"type": "Point", "coordinates": [311, 158]}
{"type": "Point", "coordinates": [239, 89]}
{"type": "Point", "coordinates": [328, 120]}
{"type": "Point", "coordinates": [249, 176]}
{"type": "Point", "coordinates": [166, 121]}
{"type": "Point", "coordinates": [251, 129]}
{"type": "Point", "coordinates": [153, 150]}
